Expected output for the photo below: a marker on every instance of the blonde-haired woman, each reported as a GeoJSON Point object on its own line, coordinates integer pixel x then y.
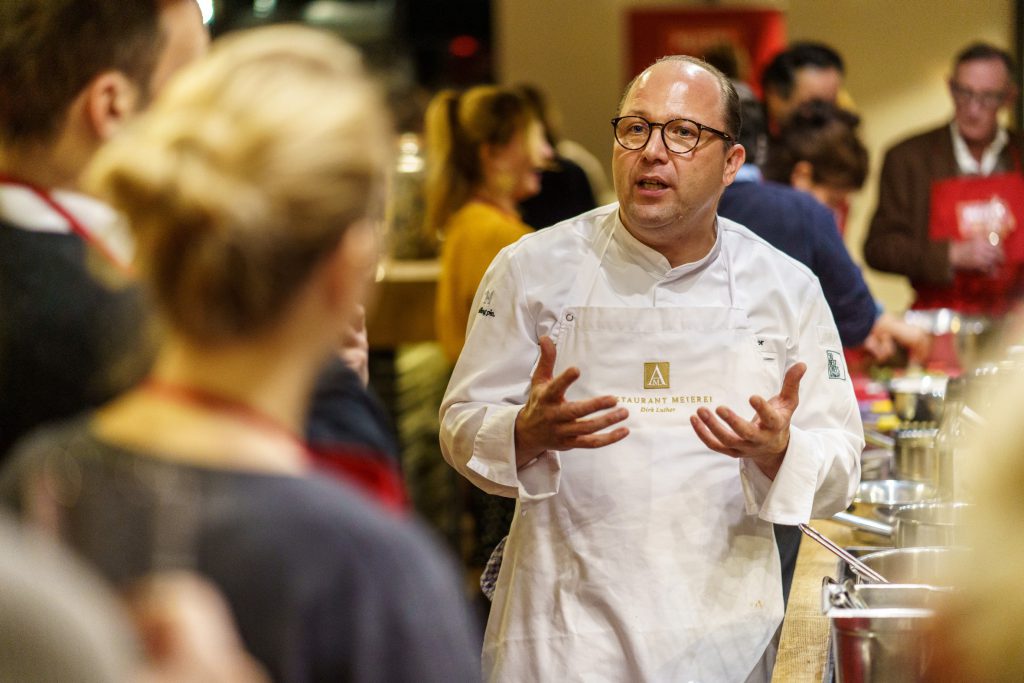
{"type": "Point", "coordinates": [485, 152]}
{"type": "Point", "coordinates": [251, 186]}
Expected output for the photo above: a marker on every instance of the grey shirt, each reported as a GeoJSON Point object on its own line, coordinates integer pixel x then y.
{"type": "Point", "coordinates": [323, 585]}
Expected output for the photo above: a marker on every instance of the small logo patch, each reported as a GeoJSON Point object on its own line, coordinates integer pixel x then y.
{"type": "Point", "coordinates": [656, 375]}
{"type": "Point", "coordinates": [488, 297]}
{"type": "Point", "coordinates": [836, 368]}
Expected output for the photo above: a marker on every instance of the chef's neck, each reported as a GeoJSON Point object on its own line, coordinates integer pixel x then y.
{"type": "Point", "coordinates": [679, 245]}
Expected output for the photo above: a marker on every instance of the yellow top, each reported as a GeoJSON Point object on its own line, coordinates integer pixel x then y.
{"type": "Point", "coordinates": [473, 237]}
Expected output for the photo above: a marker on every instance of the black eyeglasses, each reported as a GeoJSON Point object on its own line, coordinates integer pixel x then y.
{"type": "Point", "coordinates": [679, 135]}
{"type": "Point", "coordinates": [987, 99]}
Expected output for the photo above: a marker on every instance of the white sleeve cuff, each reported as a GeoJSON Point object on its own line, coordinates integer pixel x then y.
{"type": "Point", "coordinates": [494, 458]}
{"type": "Point", "coordinates": [789, 499]}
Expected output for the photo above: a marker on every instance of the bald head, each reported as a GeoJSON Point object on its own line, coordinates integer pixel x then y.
{"type": "Point", "coordinates": [730, 101]}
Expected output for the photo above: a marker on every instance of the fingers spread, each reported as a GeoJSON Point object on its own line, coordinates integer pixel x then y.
{"type": "Point", "coordinates": [599, 440]}
{"type": "Point", "coordinates": [768, 417]}
{"type": "Point", "coordinates": [554, 392]}
{"type": "Point", "coordinates": [596, 424]}
{"type": "Point", "coordinates": [546, 364]}
{"type": "Point", "coordinates": [790, 392]}
{"type": "Point", "coordinates": [709, 439]}
{"type": "Point", "coordinates": [744, 429]}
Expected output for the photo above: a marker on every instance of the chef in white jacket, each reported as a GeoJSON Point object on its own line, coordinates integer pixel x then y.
{"type": "Point", "coordinates": [656, 385]}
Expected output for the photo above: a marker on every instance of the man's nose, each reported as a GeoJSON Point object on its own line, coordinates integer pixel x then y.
{"type": "Point", "coordinates": [655, 147]}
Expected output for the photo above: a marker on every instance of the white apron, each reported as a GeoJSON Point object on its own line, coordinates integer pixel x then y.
{"type": "Point", "coordinates": [644, 566]}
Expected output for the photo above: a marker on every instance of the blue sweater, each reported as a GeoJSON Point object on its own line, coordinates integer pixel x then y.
{"type": "Point", "coordinates": [797, 224]}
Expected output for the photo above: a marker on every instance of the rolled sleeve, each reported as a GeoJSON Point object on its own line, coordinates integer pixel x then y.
{"type": "Point", "coordinates": [494, 459]}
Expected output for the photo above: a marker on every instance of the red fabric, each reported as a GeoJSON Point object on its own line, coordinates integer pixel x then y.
{"type": "Point", "coordinates": [368, 471]}
{"type": "Point", "coordinates": [960, 209]}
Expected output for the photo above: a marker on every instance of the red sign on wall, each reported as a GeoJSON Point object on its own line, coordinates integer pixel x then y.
{"type": "Point", "coordinates": [753, 35]}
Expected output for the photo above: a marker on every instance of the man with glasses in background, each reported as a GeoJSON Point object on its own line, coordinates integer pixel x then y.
{"type": "Point", "coordinates": [951, 200]}
{"type": "Point", "coordinates": [655, 385]}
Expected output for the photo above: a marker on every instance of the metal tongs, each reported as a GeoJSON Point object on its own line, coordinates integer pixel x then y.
{"type": "Point", "coordinates": [856, 565]}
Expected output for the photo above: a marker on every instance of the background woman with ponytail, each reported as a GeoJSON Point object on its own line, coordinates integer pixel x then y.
{"type": "Point", "coordinates": [485, 152]}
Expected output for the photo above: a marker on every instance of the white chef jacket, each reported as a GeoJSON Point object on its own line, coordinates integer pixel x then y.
{"type": "Point", "coordinates": [520, 299]}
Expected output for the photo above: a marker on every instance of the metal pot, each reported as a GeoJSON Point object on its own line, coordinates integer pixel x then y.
{"type": "Point", "coordinates": [928, 566]}
{"type": "Point", "coordinates": [930, 524]}
{"type": "Point", "coordinates": [880, 499]}
{"type": "Point", "coordinates": [918, 399]}
{"type": "Point", "coordinates": [881, 645]}
{"type": "Point", "coordinates": [914, 456]}
{"type": "Point", "coordinates": [917, 525]}
{"type": "Point", "coordinates": [972, 337]}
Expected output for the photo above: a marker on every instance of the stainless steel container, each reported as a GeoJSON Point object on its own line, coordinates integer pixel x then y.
{"type": "Point", "coordinates": [930, 524]}
{"type": "Point", "coordinates": [915, 457]}
{"type": "Point", "coordinates": [929, 566]}
{"type": "Point", "coordinates": [880, 499]}
{"type": "Point", "coordinates": [881, 645]}
{"type": "Point", "coordinates": [918, 399]}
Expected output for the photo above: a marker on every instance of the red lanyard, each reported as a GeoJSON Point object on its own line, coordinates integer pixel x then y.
{"type": "Point", "coordinates": [75, 225]}
{"type": "Point", "coordinates": [202, 398]}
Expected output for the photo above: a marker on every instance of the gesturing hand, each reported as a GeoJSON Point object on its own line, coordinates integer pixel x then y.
{"type": "Point", "coordinates": [549, 422]}
{"type": "Point", "coordinates": [763, 439]}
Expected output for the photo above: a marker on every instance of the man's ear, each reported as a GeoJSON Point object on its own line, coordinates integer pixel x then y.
{"type": "Point", "coordinates": [802, 176]}
{"type": "Point", "coordinates": [111, 99]}
{"type": "Point", "coordinates": [734, 159]}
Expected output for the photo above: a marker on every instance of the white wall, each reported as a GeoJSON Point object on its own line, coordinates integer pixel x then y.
{"type": "Point", "coordinates": [897, 56]}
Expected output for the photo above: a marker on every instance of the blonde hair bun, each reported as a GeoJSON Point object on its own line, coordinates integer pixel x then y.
{"type": "Point", "coordinates": [247, 169]}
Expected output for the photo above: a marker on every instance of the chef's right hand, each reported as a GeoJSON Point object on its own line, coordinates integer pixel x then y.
{"type": "Point", "coordinates": [550, 423]}
{"type": "Point", "coordinates": [976, 253]}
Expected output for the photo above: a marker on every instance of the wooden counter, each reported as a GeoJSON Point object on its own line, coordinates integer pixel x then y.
{"type": "Point", "coordinates": [402, 311]}
{"type": "Point", "coordinates": [804, 643]}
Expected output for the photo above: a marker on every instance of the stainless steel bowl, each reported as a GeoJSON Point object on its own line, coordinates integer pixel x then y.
{"type": "Point", "coordinates": [880, 499]}
{"type": "Point", "coordinates": [930, 525]}
{"type": "Point", "coordinates": [928, 566]}
{"type": "Point", "coordinates": [974, 337]}
{"type": "Point", "coordinates": [918, 399]}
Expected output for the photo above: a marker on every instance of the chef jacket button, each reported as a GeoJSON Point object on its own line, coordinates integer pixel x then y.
{"type": "Point", "coordinates": [569, 317]}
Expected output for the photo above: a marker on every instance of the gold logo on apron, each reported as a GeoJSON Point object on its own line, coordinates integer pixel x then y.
{"type": "Point", "coordinates": [656, 375]}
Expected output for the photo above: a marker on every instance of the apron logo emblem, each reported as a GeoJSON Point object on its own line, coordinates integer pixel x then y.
{"type": "Point", "coordinates": [835, 365]}
{"type": "Point", "coordinates": [488, 297]}
{"type": "Point", "coordinates": [656, 375]}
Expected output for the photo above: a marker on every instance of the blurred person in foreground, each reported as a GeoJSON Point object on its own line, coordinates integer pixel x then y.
{"type": "Point", "coordinates": [75, 327]}
{"type": "Point", "coordinates": [486, 150]}
{"type": "Point", "coordinates": [637, 385]}
{"type": "Point", "coordinates": [951, 200]}
{"type": "Point", "coordinates": [252, 187]}
{"type": "Point", "coordinates": [60, 622]}
{"type": "Point", "coordinates": [979, 635]}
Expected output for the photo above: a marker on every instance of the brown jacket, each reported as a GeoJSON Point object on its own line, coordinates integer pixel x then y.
{"type": "Point", "coordinates": [897, 240]}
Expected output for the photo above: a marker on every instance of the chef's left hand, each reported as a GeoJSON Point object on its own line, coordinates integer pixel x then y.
{"type": "Point", "coordinates": [765, 438]}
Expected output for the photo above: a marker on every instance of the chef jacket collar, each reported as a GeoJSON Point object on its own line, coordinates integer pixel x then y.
{"type": "Point", "coordinates": [653, 261]}
{"type": "Point", "coordinates": [24, 209]}
{"type": "Point", "coordinates": [990, 157]}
